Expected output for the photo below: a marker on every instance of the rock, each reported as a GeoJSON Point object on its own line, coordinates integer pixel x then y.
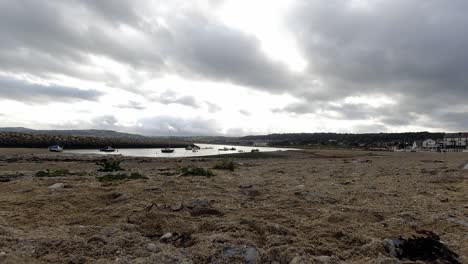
{"type": "Point", "coordinates": [205, 212]}
{"type": "Point", "coordinates": [466, 166]}
{"type": "Point", "coordinates": [240, 254]}
{"type": "Point", "coordinates": [299, 260]}
{"type": "Point", "coordinates": [153, 248]}
{"type": "Point", "coordinates": [326, 260]}
{"type": "Point", "coordinates": [97, 239]}
{"type": "Point", "coordinates": [57, 186]}
{"type": "Point", "coordinates": [166, 238]}
{"type": "Point", "coordinates": [427, 248]}
{"type": "Point", "coordinates": [120, 198]}
{"type": "Point", "coordinates": [177, 206]}
{"type": "Point", "coordinates": [198, 203]}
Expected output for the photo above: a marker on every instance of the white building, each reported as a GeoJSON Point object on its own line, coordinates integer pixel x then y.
{"type": "Point", "coordinates": [457, 141]}
{"type": "Point", "coordinates": [429, 144]}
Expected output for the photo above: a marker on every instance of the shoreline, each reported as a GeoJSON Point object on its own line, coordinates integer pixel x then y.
{"type": "Point", "coordinates": [338, 206]}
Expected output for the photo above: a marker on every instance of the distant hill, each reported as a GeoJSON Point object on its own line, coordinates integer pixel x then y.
{"type": "Point", "coordinates": [346, 140]}
{"type": "Point", "coordinates": [30, 138]}
{"type": "Point", "coordinates": [86, 133]}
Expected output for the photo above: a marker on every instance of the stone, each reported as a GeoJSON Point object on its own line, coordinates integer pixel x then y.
{"type": "Point", "coordinates": [166, 238]}
{"type": "Point", "coordinates": [197, 211]}
{"type": "Point", "coordinates": [177, 206]}
{"type": "Point", "coordinates": [299, 260]}
{"type": "Point", "coordinates": [97, 239]}
{"type": "Point", "coordinates": [198, 203]}
{"type": "Point", "coordinates": [243, 254]}
{"type": "Point", "coordinates": [153, 248]}
{"type": "Point", "coordinates": [326, 260]}
{"type": "Point", "coordinates": [57, 186]}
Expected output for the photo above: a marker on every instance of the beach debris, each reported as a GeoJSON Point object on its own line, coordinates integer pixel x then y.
{"type": "Point", "coordinates": [57, 186]}
{"type": "Point", "coordinates": [424, 248]}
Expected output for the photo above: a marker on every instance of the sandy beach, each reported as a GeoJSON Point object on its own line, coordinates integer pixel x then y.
{"type": "Point", "coordinates": [284, 207]}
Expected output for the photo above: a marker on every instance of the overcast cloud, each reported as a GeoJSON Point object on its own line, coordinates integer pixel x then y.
{"type": "Point", "coordinates": [377, 65]}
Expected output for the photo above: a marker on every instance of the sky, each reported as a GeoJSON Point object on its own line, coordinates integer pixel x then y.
{"type": "Point", "coordinates": [234, 67]}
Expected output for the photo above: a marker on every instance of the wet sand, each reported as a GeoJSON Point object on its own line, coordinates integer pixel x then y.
{"type": "Point", "coordinates": [282, 207]}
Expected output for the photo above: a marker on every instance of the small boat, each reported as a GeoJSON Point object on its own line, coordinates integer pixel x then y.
{"type": "Point", "coordinates": [56, 148]}
{"type": "Point", "coordinates": [188, 147]}
{"type": "Point", "coordinates": [167, 150]}
{"type": "Point", "coordinates": [194, 150]}
{"type": "Point", "coordinates": [233, 148]}
{"type": "Point", "coordinates": [255, 150]}
{"type": "Point", "coordinates": [107, 149]}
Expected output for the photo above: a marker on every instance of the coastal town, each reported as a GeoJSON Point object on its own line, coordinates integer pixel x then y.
{"type": "Point", "coordinates": [451, 142]}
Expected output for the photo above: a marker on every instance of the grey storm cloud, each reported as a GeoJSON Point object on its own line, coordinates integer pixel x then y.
{"type": "Point", "coordinates": [53, 37]}
{"type": "Point", "coordinates": [415, 51]}
{"type": "Point", "coordinates": [24, 91]}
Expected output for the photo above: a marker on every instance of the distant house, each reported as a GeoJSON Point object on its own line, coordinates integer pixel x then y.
{"type": "Point", "coordinates": [456, 141]}
{"type": "Point", "coordinates": [430, 144]}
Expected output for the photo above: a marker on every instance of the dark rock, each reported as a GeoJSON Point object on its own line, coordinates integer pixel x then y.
{"type": "Point", "coordinates": [97, 239]}
{"type": "Point", "coordinates": [196, 203]}
{"type": "Point", "coordinates": [202, 211]}
{"type": "Point", "coordinates": [420, 248]}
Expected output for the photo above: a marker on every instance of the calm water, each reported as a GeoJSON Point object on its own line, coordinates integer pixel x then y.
{"type": "Point", "coordinates": [206, 150]}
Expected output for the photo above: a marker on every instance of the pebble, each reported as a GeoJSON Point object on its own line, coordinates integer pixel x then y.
{"type": "Point", "coordinates": [57, 186]}
{"type": "Point", "coordinates": [152, 247]}
{"type": "Point", "coordinates": [177, 207]}
{"type": "Point", "coordinates": [247, 254]}
{"type": "Point", "coordinates": [2, 255]}
{"type": "Point", "coordinates": [166, 237]}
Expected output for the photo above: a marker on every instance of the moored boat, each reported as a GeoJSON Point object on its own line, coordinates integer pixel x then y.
{"type": "Point", "coordinates": [56, 148]}
{"type": "Point", "coordinates": [167, 150]}
{"type": "Point", "coordinates": [107, 149]}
